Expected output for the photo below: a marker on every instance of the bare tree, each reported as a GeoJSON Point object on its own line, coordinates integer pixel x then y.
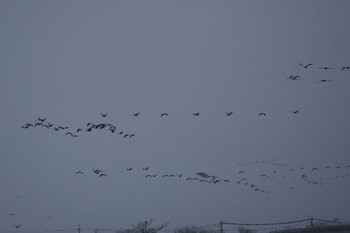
{"type": "Point", "coordinates": [194, 229]}
{"type": "Point", "coordinates": [145, 227]}
{"type": "Point", "coordinates": [246, 230]}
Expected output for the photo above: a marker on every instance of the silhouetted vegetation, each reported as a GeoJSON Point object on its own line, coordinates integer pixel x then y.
{"type": "Point", "coordinates": [194, 229]}
{"type": "Point", "coordinates": [246, 230]}
{"type": "Point", "coordinates": [145, 227]}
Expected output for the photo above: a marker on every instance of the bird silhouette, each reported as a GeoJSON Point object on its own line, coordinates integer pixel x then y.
{"type": "Point", "coordinates": [325, 68]}
{"type": "Point", "coordinates": [104, 114]}
{"type": "Point", "coordinates": [112, 129]}
{"type": "Point", "coordinates": [295, 111]}
{"type": "Point", "coordinates": [345, 68]}
{"type": "Point", "coordinates": [41, 119]}
{"type": "Point", "coordinates": [26, 126]}
{"type": "Point", "coordinates": [145, 168]}
{"type": "Point", "coordinates": [294, 77]}
{"type": "Point", "coordinates": [164, 114]}
{"type": "Point", "coordinates": [228, 113]}
{"type": "Point", "coordinates": [324, 81]}
{"type": "Point", "coordinates": [196, 114]}
{"type": "Point", "coordinates": [79, 172]}
{"type": "Point", "coordinates": [306, 66]}
{"type": "Point", "coordinates": [129, 169]}
{"type": "Point", "coordinates": [103, 174]}
{"type": "Point", "coordinates": [262, 114]}
{"type": "Point", "coordinates": [17, 226]}
{"type": "Point", "coordinates": [132, 135]}
{"type": "Point", "coordinates": [97, 170]}
{"type": "Point", "coordinates": [78, 130]}
{"type": "Point", "coordinates": [11, 214]}
{"type": "Point", "coordinates": [240, 172]}
{"type": "Point", "coordinates": [136, 114]}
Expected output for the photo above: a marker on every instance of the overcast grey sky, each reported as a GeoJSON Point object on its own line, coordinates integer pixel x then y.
{"type": "Point", "coordinates": [69, 61]}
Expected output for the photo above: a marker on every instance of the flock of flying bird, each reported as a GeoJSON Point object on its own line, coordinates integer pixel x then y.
{"type": "Point", "coordinates": [250, 178]}
{"type": "Point", "coordinates": [242, 176]}
{"type": "Point", "coordinates": [41, 122]}
{"type": "Point", "coordinates": [113, 129]}
{"type": "Point", "coordinates": [307, 66]}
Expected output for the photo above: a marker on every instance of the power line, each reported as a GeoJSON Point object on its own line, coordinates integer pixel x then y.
{"type": "Point", "coordinates": [278, 223]}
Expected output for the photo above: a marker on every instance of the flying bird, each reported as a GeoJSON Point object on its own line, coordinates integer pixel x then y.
{"type": "Point", "coordinates": [262, 114]}
{"type": "Point", "coordinates": [97, 170]}
{"type": "Point", "coordinates": [41, 119]}
{"type": "Point", "coordinates": [196, 114]}
{"type": "Point", "coordinates": [104, 114]}
{"type": "Point", "coordinates": [294, 77]}
{"type": "Point", "coordinates": [136, 114]}
{"type": "Point", "coordinates": [295, 111]}
{"type": "Point", "coordinates": [345, 68]}
{"type": "Point", "coordinates": [79, 172]}
{"type": "Point", "coordinates": [164, 114]}
{"type": "Point", "coordinates": [17, 226]}
{"type": "Point", "coordinates": [306, 66]}
{"type": "Point", "coordinates": [129, 169]}
{"type": "Point", "coordinates": [78, 130]}
{"type": "Point", "coordinates": [103, 174]}
{"type": "Point", "coordinates": [132, 135]}
{"type": "Point", "coordinates": [145, 168]}
{"type": "Point", "coordinates": [228, 113]}
{"type": "Point", "coordinates": [240, 172]}
{"type": "Point", "coordinates": [112, 129]}
{"type": "Point", "coordinates": [324, 80]}
{"type": "Point", "coordinates": [325, 68]}
{"type": "Point", "coordinates": [26, 126]}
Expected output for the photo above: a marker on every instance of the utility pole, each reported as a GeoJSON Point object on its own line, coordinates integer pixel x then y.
{"type": "Point", "coordinates": [221, 227]}
{"type": "Point", "coordinates": [78, 228]}
{"type": "Point", "coordinates": [312, 223]}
